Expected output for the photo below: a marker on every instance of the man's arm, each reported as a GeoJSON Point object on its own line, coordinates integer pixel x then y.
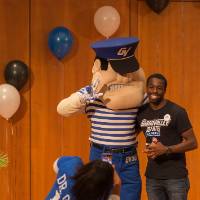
{"type": "Point", "coordinates": [189, 142]}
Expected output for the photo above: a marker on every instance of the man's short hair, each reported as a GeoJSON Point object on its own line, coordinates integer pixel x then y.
{"type": "Point", "coordinates": [159, 76]}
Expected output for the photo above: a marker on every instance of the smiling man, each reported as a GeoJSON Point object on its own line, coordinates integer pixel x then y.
{"type": "Point", "coordinates": [111, 103]}
{"type": "Point", "coordinates": [169, 135]}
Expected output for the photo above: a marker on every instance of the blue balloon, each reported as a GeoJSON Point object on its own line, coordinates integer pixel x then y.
{"type": "Point", "coordinates": [60, 41]}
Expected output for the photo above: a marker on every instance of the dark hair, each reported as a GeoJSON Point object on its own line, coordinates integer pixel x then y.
{"type": "Point", "coordinates": [104, 63]}
{"type": "Point", "coordinates": [159, 76]}
{"type": "Point", "coordinates": [94, 181]}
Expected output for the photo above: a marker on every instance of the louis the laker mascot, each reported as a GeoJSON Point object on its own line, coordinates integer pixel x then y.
{"type": "Point", "coordinates": [111, 103]}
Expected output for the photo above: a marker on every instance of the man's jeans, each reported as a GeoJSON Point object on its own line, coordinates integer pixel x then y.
{"type": "Point", "coordinates": [127, 167]}
{"type": "Point", "coordinates": [167, 189]}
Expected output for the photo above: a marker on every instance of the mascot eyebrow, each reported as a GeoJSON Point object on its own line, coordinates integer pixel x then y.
{"type": "Point", "coordinates": [104, 63]}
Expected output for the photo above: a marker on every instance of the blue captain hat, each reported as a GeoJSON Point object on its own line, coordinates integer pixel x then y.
{"type": "Point", "coordinates": [119, 52]}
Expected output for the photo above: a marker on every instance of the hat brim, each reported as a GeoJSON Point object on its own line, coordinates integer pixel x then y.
{"type": "Point", "coordinates": [126, 65]}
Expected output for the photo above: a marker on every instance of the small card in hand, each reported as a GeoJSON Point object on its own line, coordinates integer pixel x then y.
{"type": "Point", "coordinates": [106, 157]}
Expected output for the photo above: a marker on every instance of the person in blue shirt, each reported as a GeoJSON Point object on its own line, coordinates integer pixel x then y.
{"type": "Point", "coordinates": [78, 181]}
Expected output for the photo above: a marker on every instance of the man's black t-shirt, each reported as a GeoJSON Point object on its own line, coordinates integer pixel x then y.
{"type": "Point", "coordinates": [166, 124]}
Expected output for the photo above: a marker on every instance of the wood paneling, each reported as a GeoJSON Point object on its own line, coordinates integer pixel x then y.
{"type": "Point", "coordinates": [170, 45]}
{"type": "Point", "coordinates": [15, 133]}
{"type": "Point", "coordinates": [36, 135]}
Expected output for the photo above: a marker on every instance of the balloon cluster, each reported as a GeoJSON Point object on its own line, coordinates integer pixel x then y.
{"type": "Point", "coordinates": [16, 75]}
{"type": "Point", "coordinates": [60, 39]}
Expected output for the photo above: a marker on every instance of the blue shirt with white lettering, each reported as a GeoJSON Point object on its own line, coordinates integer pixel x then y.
{"type": "Point", "coordinates": [62, 188]}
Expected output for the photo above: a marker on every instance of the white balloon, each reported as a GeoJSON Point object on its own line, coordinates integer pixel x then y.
{"type": "Point", "coordinates": [9, 100]}
{"type": "Point", "coordinates": [107, 20]}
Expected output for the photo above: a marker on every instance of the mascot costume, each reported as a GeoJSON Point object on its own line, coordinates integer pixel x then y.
{"type": "Point", "coordinates": [111, 103]}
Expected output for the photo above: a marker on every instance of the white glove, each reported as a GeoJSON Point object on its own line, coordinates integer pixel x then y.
{"type": "Point", "coordinates": [55, 166]}
{"type": "Point", "coordinates": [88, 94]}
{"type": "Point", "coordinates": [114, 197]}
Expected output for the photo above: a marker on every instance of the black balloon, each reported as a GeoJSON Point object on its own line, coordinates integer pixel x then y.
{"type": "Point", "coordinates": [16, 73]}
{"type": "Point", "coordinates": [157, 5]}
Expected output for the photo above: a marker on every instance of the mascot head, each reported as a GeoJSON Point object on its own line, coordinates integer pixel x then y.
{"type": "Point", "coordinates": [117, 74]}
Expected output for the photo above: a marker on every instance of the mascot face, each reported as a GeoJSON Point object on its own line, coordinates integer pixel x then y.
{"type": "Point", "coordinates": [116, 73]}
{"type": "Point", "coordinates": [120, 91]}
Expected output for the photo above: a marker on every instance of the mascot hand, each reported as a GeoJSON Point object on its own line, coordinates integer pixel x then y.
{"type": "Point", "coordinates": [88, 95]}
{"type": "Point", "coordinates": [55, 166]}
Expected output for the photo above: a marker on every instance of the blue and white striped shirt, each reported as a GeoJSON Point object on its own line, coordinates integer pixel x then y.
{"type": "Point", "coordinates": [115, 128]}
{"type": "Point", "coordinates": [111, 127]}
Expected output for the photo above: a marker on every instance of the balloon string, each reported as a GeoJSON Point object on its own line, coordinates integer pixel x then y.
{"type": "Point", "coordinates": [12, 129]}
{"type": "Point", "coordinates": [13, 157]}
{"type": "Point", "coordinates": [11, 126]}
{"type": "Point", "coordinates": [6, 137]}
{"type": "Point", "coordinates": [7, 177]}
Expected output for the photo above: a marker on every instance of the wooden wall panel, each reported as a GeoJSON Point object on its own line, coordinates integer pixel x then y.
{"type": "Point", "coordinates": [37, 135]}
{"type": "Point", "coordinates": [170, 45]}
{"type": "Point", "coordinates": [15, 133]}
{"type": "Point", "coordinates": [191, 85]}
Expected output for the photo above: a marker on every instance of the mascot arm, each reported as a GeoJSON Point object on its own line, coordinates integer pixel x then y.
{"type": "Point", "coordinates": [77, 101]}
{"type": "Point", "coordinates": [71, 105]}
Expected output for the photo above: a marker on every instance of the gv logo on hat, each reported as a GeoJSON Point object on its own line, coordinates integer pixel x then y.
{"type": "Point", "coordinates": [123, 51]}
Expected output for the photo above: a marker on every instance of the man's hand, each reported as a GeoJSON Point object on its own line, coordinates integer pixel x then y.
{"type": "Point", "coordinates": [155, 149]}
